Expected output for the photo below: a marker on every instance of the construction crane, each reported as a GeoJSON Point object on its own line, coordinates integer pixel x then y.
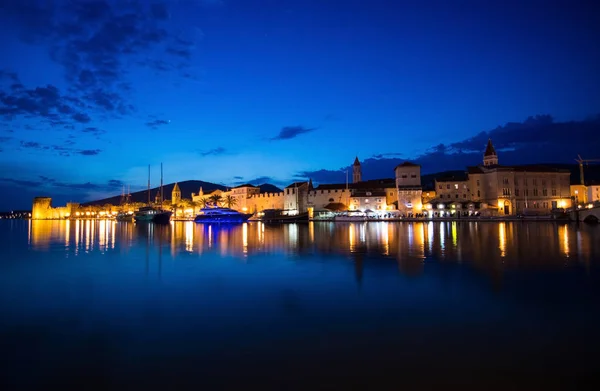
{"type": "Point", "coordinates": [581, 161]}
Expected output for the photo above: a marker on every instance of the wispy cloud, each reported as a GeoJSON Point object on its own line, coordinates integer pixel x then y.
{"type": "Point", "coordinates": [214, 151]}
{"type": "Point", "coordinates": [154, 124]}
{"type": "Point", "coordinates": [61, 150]}
{"type": "Point", "coordinates": [88, 152]}
{"type": "Point", "coordinates": [289, 132]}
{"type": "Point", "coordinates": [95, 42]}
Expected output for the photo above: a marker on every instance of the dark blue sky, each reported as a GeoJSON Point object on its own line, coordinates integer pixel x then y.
{"type": "Point", "coordinates": [231, 91]}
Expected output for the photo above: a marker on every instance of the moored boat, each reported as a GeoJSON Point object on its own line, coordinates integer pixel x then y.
{"type": "Point", "coordinates": [145, 214]}
{"type": "Point", "coordinates": [162, 217]}
{"type": "Point", "coordinates": [221, 215]}
{"type": "Point", "coordinates": [124, 216]}
{"type": "Point", "coordinates": [279, 216]}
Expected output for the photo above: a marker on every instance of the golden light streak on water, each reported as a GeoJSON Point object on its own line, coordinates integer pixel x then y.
{"type": "Point", "coordinates": [502, 238]}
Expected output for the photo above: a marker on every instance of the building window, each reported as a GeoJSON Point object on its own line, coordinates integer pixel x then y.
{"type": "Point", "coordinates": [553, 182]}
{"type": "Point", "coordinates": [516, 182]}
{"type": "Point", "coordinates": [404, 176]}
{"type": "Point", "coordinates": [392, 193]}
{"type": "Point", "coordinates": [517, 192]}
{"type": "Point", "coordinates": [448, 186]}
{"type": "Point", "coordinates": [440, 187]}
{"type": "Point", "coordinates": [545, 192]}
{"type": "Point", "coordinates": [535, 182]}
{"type": "Point", "coordinates": [413, 175]}
{"type": "Point", "coordinates": [553, 192]}
{"type": "Point", "coordinates": [478, 193]}
{"type": "Point", "coordinates": [456, 186]}
{"type": "Point", "coordinates": [477, 182]}
{"type": "Point", "coordinates": [464, 186]}
{"type": "Point", "coordinates": [464, 196]}
{"type": "Point", "coordinates": [543, 182]}
{"type": "Point", "coordinates": [288, 191]}
{"type": "Point", "coordinates": [535, 192]}
{"type": "Point", "coordinates": [526, 192]}
{"type": "Point", "coordinates": [457, 196]}
{"type": "Point", "coordinates": [506, 191]}
{"type": "Point", "coordinates": [505, 181]}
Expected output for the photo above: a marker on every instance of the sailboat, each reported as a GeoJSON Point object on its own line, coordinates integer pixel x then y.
{"type": "Point", "coordinates": [150, 213]}
{"type": "Point", "coordinates": [124, 215]}
{"type": "Point", "coordinates": [162, 216]}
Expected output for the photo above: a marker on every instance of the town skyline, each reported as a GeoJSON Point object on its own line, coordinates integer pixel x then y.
{"type": "Point", "coordinates": [234, 92]}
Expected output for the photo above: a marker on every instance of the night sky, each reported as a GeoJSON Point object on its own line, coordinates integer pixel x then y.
{"type": "Point", "coordinates": [237, 91]}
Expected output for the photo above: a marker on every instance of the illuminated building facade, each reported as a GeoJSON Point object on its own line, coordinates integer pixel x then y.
{"type": "Point", "coordinates": [408, 188]}
{"type": "Point", "coordinates": [510, 190]}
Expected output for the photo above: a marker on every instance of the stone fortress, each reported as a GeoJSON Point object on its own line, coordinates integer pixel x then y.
{"type": "Point", "coordinates": [488, 189]}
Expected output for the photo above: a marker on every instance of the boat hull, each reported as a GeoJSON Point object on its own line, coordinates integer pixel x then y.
{"type": "Point", "coordinates": [241, 218]}
{"type": "Point", "coordinates": [145, 218]}
{"type": "Point", "coordinates": [162, 217]}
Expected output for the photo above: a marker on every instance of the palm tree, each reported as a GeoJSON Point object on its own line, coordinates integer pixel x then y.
{"type": "Point", "coordinates": [203, 202]}
{"type": "Point", "coordinates": [216, 199]}
{"type": "Point", "coordinates": [230, 201]}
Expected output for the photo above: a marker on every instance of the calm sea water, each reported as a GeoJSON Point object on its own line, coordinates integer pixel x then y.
{"type": "Point", "coordinates": [310, 306]}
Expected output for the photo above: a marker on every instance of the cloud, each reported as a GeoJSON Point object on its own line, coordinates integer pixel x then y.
{"type": "Point", "coordinates": [93, 130]}
{"type": "Point", "coordinates": [239, 178]}
{"type": "Point", "coordinates": [159, 11]}
{"type": "Point", "coordinates": [214, 151]}
{"type": "Point", "coordinates": [154, 124]}
{"type": "Point", "coordinates": [4, 139]}
{"type": "Point", "coordinates": [30, 144]}
{"type": "Point", "coordinates": [261, 180]}
{"type": "Point", "coordinates": [88, 152]}
{"type": "Point", "coordinates": [60, 149]}
{"type": "Point", "coordinates": [81, 117]}
{"type": "Point", "coordinates": [385, 155]}
{"type": "Point", "coordinates": [21, 182]}
{"type": "Point", "coordinates": [115, 183]}
{"type": "Point", "coordinates": [289, 132]}
{"type": "Point", "coordinates": [46, 103]}
{"type": "Point", "coordinates": [538, 139]}
{"type": "Point", "coordinates": [96, 42]}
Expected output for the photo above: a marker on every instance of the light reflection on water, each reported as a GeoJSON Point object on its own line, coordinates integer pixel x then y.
{"type": "Point", "coordinates": [482, 244]}
{"type": "Point", "coordinates": [375, 302]}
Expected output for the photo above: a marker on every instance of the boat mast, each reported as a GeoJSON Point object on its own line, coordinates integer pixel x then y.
{"type": "Point", "coordinates": [161, 184]}
{"type": "Point", "coordinates": [148, 185]}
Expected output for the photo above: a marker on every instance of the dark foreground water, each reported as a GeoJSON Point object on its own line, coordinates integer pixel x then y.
{"type": "Point", "coordinates": [105, 305]}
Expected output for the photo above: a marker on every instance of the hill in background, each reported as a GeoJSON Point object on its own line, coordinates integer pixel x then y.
{"type": "Point", "coordinates": [186, 187]}
{"type": "Point", "coordinates": [591, 174]}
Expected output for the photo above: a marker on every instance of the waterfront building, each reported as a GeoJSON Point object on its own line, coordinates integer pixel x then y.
{"type": "Point", "coordinates": [454, 188]}
{"type": "Point", "coordinates": [585, 194]}
{"type": "Point", "coordinates": [296, 197]}
{"type": "Point", "coordinates": [408, 188]}
{"type": "Point", "coordinates": [525, 189]}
